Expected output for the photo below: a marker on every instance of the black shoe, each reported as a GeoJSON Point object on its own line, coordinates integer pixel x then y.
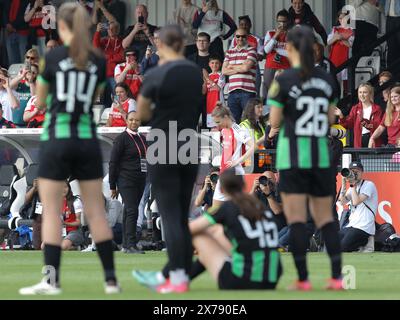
{"type": "Point", "coordinates": [134, 250]}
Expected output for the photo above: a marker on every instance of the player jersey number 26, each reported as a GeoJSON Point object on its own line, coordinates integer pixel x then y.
{"type": "Point", "coordinates": [314, 119]}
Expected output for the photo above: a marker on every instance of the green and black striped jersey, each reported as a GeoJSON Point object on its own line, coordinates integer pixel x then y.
{"type": "Point", "coordinates": [254, 254]}
{"type": "Point", "coordinates": [303, 138]}
{"type": "Point", "coordinates": [71, 93]}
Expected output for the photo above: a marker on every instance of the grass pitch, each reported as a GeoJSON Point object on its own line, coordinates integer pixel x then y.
{"type": "Point", "coordinates": [377, 277]}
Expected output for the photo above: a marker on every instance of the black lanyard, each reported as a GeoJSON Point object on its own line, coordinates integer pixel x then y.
{"type": "Point", "coordinates": [137, 146]}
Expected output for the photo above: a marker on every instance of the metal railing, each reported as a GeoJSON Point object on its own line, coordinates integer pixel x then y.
{"type": "Point", "coordinates": [373, 160]}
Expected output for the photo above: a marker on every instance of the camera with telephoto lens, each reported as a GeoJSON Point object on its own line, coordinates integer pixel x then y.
{"type": "Point", "coordinates": [349, 174]}
{"type": "Point", "coordinates": [264, 181]}
{"type": "Point", "coordinates": [214, 178]}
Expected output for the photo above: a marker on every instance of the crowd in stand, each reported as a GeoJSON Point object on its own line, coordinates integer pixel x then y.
{"type": "Point", "coordinates": [233, 75]}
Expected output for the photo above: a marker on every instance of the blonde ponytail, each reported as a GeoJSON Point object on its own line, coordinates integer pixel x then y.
{"type": "Point", "coordinates": [78, 21]}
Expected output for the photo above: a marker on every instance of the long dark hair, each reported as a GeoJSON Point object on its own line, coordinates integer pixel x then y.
{"type": "Point", "coordinates": [250, 207]}
{"type": "Point", "coordinates": [249, 114]}
{"type": "Point", "coordinates": [124, 86]}
{"type": "Point", "coordinates": [78, 21]}
{"type": "Point", "coordinates": [70, 198]}
{"type": "Point", "coordinates": [302, 39]}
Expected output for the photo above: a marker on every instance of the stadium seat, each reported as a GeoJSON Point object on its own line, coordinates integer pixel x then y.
{"type": "Point", "coordinates": [370, 62]}
{"type": "Point", "coordinates": [104, 117]}
{"type": "Point", "coordinates": [14, 69]}
{"type": "Point", "coordinates": [369, 247]}
{"type": "Point", "coordinates": [363, 76]}
{"type": "Point", "coordinates": [21, 186]}
{"type": "Point", "coordinates": [8, 176]}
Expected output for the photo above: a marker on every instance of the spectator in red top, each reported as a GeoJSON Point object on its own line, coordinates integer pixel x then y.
{"type": "Point", "coordinates": [300, 13]}
{"type": "Point", "coordinates": [340, 41]}
{"type": "Point", "coordinates": [114, 52]}
{"type": "Point", "coordinates": [34, 15]}
{"type": "Point", "coordinates": [17, 30]}
{"type": "Point", "coordinates": [72, 210]}
{"type": "Point", "coordinates": [122, 105]}
{"type": "Point", "coordinates": [364, 118]}
{"type": "Point", "coordinates": [275, 48]}
{"type": "Point", "coordinates": [383, 98]}
{"type": "Point", "coordinates": [129, 73]}
{"type": "Point", "coordinates": [33, 116]}
{"type": "Point", "coordinates": [390, 121]}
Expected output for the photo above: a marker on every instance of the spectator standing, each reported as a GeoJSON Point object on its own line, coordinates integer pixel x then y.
{"type": "Point", "coordinates": [364, 118]}
{"type": "Point", "coordinates": [363, 197]}
{"type": "Point", "coordinates": [202, 60]}
{"type": "Point", "coordinates": [240, 65]}
{"type": "Point", "coordinates": [17, 30]}
{"type": "Point", "coordinates": [275, 47]}
{"type": "Point", "coordinates": [34, 15]}
{"type": "Point", "coordinates": [367, 24]}
{"type": "Point", "coordinates": [211, 20]}
{"type": "Point", "coordinates": [390, 121]}
{"type": "Point", "coordinates": [25, 87]}
{"type": "Point", "coordinates": [122, 105]}
{"type": "Point", "coordinates": [140, 35]}
{"type": "Point", "coordinates": [341, 41]}
{"type": "Point", "coordinates": [202, 56]}
{"type": "Point", "coordinates": [114, 53]}
{"type": "Point", "coordinates": [128, 72]}
{"type": "Point", "coordinates": [253, 41]}
{"type": "Point", "coordinates": [128, 177]}
{"type": "Point", "coordinates": [4, 123]}
{"type": "Point", "coordinates": [215, 82]}
{"type": "Point", "coordinates": [184, 17]}
{"type": "Point", "coordinates": [33, 116]}
{"type": "Point", "coordinates": [300, 13]}
{"type": "Point", "coordinates": [151, 57]}
{"type": "Point", "coordinates": [392, 12]}
{"type": "Point", "coordinates": [109, 10]}
{"type": "Point", "coordinates": [8, 97]}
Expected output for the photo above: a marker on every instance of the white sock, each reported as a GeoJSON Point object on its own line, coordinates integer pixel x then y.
{"type": "Point", "coordinates": [160, 276]}
{"type": "Point", "coordinates": [178, 276]}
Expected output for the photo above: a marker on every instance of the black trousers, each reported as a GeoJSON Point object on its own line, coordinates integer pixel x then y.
{"type": "Point", "coordinates": [393, 42]}
{"type": "Point", "coordinates": [131, 196]}
{"type": "Point", "coordinates": [365, 34]}
{"type": "Point", "coordinates": [217, 48]}
{"type": "Point", "coordinates": [351, 239]}
{"type": "Point", "coordinates": [172, 186]}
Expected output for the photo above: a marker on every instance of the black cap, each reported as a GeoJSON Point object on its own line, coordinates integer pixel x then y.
{"type": "Point", "coordinates": [130, 50]}
{"type": "Point", "coordinates": [356, 165]}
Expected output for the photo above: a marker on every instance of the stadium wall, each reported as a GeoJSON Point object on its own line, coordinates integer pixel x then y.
{"type": "Point", "coordinates": [262, 12]}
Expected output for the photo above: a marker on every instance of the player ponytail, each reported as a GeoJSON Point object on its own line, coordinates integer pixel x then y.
{"type": "Point", "coordinates": [221, 111]}
{"type": "Point", "coordinates": [302, 39]}
{"type": "Point", "coordinates": [78, 21]}
{"type": "Point", "coordinates": [250, 207]}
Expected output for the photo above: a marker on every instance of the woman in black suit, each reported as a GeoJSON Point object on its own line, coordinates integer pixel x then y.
{"type": "Point", "coordinates": [127, 175]}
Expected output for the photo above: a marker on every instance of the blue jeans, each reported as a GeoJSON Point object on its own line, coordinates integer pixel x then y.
{"type": "Point", "coordinates": [237, 101]}
{"type": "Point", "coordinates": [16, 48]}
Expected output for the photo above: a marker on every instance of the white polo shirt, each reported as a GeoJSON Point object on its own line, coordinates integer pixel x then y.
{"type": "Point", "coordinates": [361, 217]}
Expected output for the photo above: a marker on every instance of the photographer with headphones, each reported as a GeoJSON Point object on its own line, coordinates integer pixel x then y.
{"type": "Point", "coordinates": [363, 198]}
{"type": "Point", "coordinates": [205, 197]}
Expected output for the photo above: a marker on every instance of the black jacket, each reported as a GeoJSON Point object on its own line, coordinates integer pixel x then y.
{"type": "Point", "coordinates": [307, 18]}
{"type": "Point", "coordinates": [124, 166]}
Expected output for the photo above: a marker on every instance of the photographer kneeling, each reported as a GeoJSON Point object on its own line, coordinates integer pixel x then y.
{"type": "Point", "coordinates": [205, 197]}
{"type": "Point", "coordinates": [363, 197]}
{"type": "Point", "coordinates": [265, 188]}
